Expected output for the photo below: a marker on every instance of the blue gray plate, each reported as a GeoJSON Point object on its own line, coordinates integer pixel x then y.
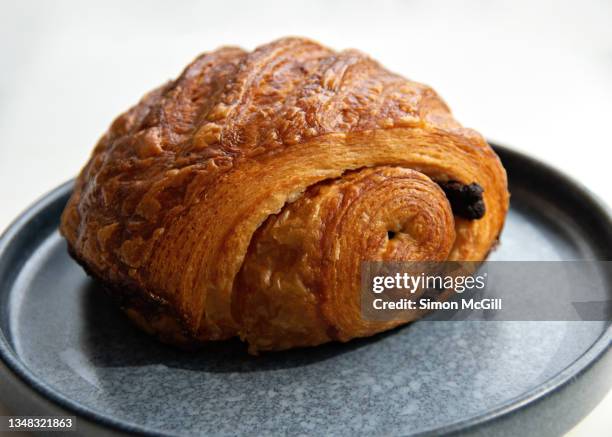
{"type": "Point", "coordinates": [66, 350]}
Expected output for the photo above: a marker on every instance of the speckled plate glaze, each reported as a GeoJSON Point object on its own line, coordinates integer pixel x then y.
{"type": "Point", "coordinates": [66, 350]}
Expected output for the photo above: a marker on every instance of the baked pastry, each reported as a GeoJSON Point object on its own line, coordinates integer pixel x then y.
{"type": "Point", "coordinates": [240, 199]}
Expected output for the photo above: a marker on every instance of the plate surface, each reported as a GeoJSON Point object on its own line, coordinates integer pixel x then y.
{"type": "Point", "coordinates": [65, 343]}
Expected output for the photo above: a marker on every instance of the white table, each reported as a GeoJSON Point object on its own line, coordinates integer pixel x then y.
{"type": "Point", "coordinates": [537, 77]}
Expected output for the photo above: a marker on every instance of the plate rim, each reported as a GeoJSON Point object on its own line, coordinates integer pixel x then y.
{"type": "Point", "coordinates": [553, 385]}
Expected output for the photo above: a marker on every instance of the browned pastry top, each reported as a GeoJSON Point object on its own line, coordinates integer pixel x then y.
{"type": "Point", "coordinates": [174, 191]}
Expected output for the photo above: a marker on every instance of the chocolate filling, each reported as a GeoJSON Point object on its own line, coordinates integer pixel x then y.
{"type": "Point", "coordinates": [465, 200]}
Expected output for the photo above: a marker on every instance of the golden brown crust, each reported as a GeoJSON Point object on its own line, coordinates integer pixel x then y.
{"type": "Point", "coordinates": [175, 190]}
{"type": "Point", "coordinates": [299, 284]}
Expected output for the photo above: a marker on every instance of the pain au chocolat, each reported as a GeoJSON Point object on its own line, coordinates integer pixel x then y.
{"type": "Point", "coordinates": [241, 198]}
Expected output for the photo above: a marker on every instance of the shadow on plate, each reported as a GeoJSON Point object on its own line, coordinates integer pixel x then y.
{"type": "Point", "coordinates": [111, 340]}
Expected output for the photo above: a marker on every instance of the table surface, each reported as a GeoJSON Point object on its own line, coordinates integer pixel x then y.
{"type": "Point", "coordinates": [534, 76]}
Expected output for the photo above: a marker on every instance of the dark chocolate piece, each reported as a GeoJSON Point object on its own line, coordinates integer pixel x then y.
{"type": "Point", "coordinates": [465, 200]}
